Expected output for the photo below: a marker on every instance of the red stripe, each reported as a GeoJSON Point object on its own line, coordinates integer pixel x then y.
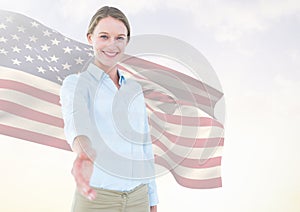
{"type": "Point", "coordinates": [188, 182]}
{"type": "Point", "coordinates": [188, 162]}
{"type": "Point", "coordinates": [30, 90]}
{"type": "Point", "coordinates": [34, 137]}
{"type": "Point", "coordinates": [187, 142]}
{"type": "Point", "coordinates": [28, 113]}
{"type": "Point", "coordinates": [201, 100]}
{"type": "Point", "coordinates": [141, 63]}
{"type": "Point", "coordinates": [182, 97]}
{"type": "Point", "coordinates": [186, 121]}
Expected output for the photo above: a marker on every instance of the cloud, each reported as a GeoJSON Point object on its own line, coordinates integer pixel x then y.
{"type": "Point", "coordinates": [228, 20]}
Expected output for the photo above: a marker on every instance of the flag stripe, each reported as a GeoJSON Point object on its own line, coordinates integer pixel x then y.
{"type": "Point", "coordinates": [28, 113]}
{"type": "Point", "coordinates": [189, 93]}
{"type": "Point", "coordinates": [25, 88]}
{"type": "Point", "coordinates": [186, 131]}
{"type": "Point", "coordinates": [35, 137]}
{"type": "Point", "coordinates": [31, 102]}
{"type": "Point", "coordinates": [188, 142]}
{"type": "Point", "coordinates": [145, 64]}
{"type": "Point", "coordinates": [35, 126]}
{"type": "Point", "coordinates": [187, 161]}
{"type": "Point", "coordinates": [201, 173]}
{"type": "Point", "coordinates": [187, 121]}
{"type": "Point", "coordinates": [188, 152]}
{"type": "Point", "coordinates": [30, 79]}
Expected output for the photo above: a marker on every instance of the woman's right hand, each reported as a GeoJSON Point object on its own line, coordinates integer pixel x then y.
{"type": "Point", "coordinates": [83, 167]}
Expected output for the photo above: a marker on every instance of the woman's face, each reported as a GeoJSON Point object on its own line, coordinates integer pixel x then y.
{"type": "Point", "coordinates": [109, 40]}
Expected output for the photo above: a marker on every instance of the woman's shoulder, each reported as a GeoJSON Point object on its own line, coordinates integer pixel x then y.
{"type": "Point", "coordinates": [70, 82]}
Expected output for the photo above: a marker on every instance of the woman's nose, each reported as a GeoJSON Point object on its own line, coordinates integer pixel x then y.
{"type": "Point", "coordinates": [112, 42]}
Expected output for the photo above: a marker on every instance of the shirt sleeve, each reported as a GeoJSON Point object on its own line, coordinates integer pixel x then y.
{"type": "Point", "coordinates": [74, 103]}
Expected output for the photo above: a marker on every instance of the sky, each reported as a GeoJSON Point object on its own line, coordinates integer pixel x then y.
{"type": "Point", "coordinates": [254, 48]}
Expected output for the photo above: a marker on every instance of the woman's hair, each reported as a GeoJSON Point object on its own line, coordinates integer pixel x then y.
{"type": "Point", "coordinates": [107, 11]}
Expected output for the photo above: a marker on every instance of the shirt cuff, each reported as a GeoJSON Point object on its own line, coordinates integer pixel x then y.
{"type": "Point", "coordinates": [153, 199]}
{"type": "Point", "coordinates": [152, 193]}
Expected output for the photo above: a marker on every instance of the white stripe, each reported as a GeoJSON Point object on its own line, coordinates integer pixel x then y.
{"type": "Point", "coordinates": [170, 79]}
{"type": "Point", "coordinates": [187, 152]}
{"type": "Point", "coordinates": [34, 81]}
{"type": "Point", "coordinates": [199, 174]}
{"type": "Point", "coordinates": [191, 173]}
{"type": "Point", "coordinates": [179, 110]}
{"type": "Point", "coordinates": [27, 124]}
{"type": "Point", "coordinates": [30, 102]}
{"type": "Point", "coordinates": [189, 131]}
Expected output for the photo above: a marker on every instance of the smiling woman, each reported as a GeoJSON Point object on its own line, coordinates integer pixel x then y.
{"type": "Point", "coordinates": [88, 102]}
{"type": "Point", "coordinates": [109, 37]}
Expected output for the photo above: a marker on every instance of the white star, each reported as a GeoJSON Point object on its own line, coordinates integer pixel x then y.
{"type": "Point", "coordinates": [79, 60]}
{"type": "Point", "coordinates": [9, 19]}
{"type": "Point", "coordinates": [55, 42]}
{"type": "Point", "coordinates": [41, 70]}
{"type": "Point", "coordinates": [39, 58]}
{"type": "Point", "coordinates": [56, 69]}
{"type": "Point", "coordinates": [3, 51]}
{"type": "Point", "coordinates": [59, 79]}
{"type": "Point", "coordinates": [21, 29]}
{"type": "Point", "coordinates": [47, 33]}
{"type": "Point", "coordinates": [54, 58]}
{"type": "Point", "coordinates": [50, 68]}
{"type": "Point", "coordinates": [34, 24]}
{"type": "Point", "coordinates": [47, 60]}
{"type": "Point", "coordinates": [2, 26]}
{"type": "Point", "coordinates": [90, 54]}
{"type": "Point", "coordinates": [15, 37]}
{"type": "Point", "coordinates": [67, 50]}
{"type": "Point", "coordinates": [33, 38]}
{"type": "Point", "coordinates": [16, 49]}
{"type": "Point", "coordinates": [28, 58]}
{"type": "Point", "coordinates": [78, 49]}
{"type": "Point", "coordinates": [45, 47]}
{"type": "Point", "coordinates": [66, 66]}
{"type": "Point", "coordinates": [88, 49]}
{"type": "Point", "coordinates": [28, 47]}
{"type": "Point", "coordinates": [16, 62]}
{"type": "Point", "coordinates": [67, 39]}
{"type": "Point", "coordinates": [3, 39]}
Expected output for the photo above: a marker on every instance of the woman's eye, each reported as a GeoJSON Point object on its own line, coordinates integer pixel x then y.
{"type": "Point", "coordinates": [104, 37]}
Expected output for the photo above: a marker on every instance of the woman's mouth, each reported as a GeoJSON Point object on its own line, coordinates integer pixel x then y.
{"type": "Point", "coordinates": [110, 54]}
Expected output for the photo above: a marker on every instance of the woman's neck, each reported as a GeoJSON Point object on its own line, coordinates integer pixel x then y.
{"type": "Point", "coordinates": [112, 72]}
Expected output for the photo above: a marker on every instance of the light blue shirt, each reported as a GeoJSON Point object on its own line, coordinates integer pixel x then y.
{"type": "Point", "coordinates": [115, 120]}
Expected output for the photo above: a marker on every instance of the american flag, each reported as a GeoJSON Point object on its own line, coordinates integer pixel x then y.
{"type": "Point", "coordinates": [34, 60]}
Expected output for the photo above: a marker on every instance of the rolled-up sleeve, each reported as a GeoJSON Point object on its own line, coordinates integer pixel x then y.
{"type": "Point", "coordinates": [67, 93]}
{"type": "Point", "coordinates": [75, 110]}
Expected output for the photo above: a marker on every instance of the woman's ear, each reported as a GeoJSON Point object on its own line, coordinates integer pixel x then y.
{"type": "Point", "coordinates": [90, 39]}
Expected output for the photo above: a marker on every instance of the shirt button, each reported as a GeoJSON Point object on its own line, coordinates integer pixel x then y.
{"type": "Point", "coordinates": [124, 195]}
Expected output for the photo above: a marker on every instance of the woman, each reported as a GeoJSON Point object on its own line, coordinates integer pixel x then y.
{"type": "Point", "coordinates": [90, 102]}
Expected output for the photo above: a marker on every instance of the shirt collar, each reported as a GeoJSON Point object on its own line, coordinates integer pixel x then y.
{"type": "Point", "coordinates": [97, 73]}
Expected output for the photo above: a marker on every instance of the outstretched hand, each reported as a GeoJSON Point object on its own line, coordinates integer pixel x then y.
{"type": "Point", "coordinates": [83, 167]}
{"type": "Point", "coordinates": [82, 171]}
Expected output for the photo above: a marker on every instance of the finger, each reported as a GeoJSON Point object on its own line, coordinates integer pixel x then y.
{"type": "Point", "coordinates": [91, 195]}
{"type": "Point", "coordinates": [87, 192]}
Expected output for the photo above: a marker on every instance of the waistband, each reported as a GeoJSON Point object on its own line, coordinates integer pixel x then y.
{"type": "Point", "coordinates": [139, 187]}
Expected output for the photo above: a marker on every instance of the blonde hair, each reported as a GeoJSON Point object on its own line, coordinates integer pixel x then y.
{"type": "Point", "coordinates": [107, 11]}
